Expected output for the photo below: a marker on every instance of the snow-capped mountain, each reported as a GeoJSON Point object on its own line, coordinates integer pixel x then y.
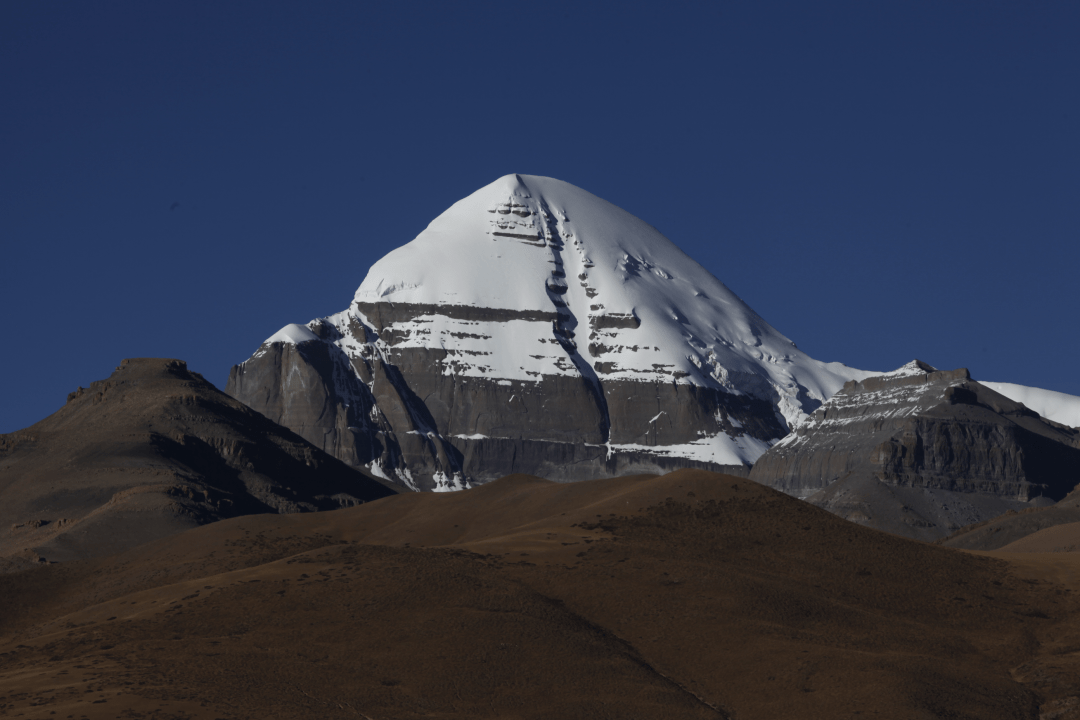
{"type": "Point", "coordinates": [534, 327]}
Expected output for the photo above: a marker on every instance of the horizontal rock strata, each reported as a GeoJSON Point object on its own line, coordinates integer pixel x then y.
{"type": "Point", "coordinates": [923, 452]}
{"type": "Point", "coordinates": [353, 393]}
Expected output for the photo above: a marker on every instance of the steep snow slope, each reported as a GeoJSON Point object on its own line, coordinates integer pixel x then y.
{"type": "Point", "coordinates": [1056, 406]}
{"type": "Point", "coordinates": [535, 312]}
{"type": "Point", "coordinates": [529, 243]}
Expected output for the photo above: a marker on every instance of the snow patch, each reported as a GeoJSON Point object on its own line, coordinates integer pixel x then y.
{"type": "Point", "coordinates": [1057, 406]}
{"type": "Point", "coordinates": [912, 369]}
{"type": "Point", "coordinates": [449, 483]}
{"type": "Point", "coordinates": [292, 334]}
{"type": "Point", "coordinates": [720, 449]}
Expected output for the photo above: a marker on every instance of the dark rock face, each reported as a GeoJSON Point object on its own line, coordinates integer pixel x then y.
{"type": "Point", "coordinates": [355, 393]}
{"type": "Point", "coordinates": [922, 453]}
{"type": "Point", "coordinates": [153, 450]}
{"type": "Point", "coordinates": [311, 389]}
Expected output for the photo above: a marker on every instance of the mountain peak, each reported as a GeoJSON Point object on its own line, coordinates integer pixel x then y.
{"type": "Point", "coordinates": [514, 184]}
{"type": "Point", "coordinates": [915, 367]}
{"type": "Point", "coordinates": [531, 287]}
{"type": "Point", "coordinates": [527, 243]}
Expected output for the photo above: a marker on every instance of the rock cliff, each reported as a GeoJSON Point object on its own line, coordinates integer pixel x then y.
{"type": "Point", "coordinates": [921, 452]}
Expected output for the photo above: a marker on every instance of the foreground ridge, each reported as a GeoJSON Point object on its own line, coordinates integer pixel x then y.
{"type": "Point", "coordinates": [153, 450]}
{"type": "Point", "coordinates": [689, 595]}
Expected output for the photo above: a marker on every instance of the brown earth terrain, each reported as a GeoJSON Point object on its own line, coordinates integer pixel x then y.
{"type": "Point", "coordinates": [686, 595]}
{"type": "Point", "coordinates": [1004, 531]}
{"type": "Point", "coordinates": [1056, 539]}
{"type": "Point", "coordinates": [153, 450]}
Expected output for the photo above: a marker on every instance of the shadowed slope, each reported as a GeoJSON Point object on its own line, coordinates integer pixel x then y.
{"type": "Point", "coordinates": [1010, 528]}
{"type": "Point", "coordinates": [1055, 539]}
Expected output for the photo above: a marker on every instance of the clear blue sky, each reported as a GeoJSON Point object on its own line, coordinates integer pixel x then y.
{"type": "Point", "coordinates": [880, 181]}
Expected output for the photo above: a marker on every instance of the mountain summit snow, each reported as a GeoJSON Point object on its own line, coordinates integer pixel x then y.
{"type": "Point", "coordinates": [534, 327]}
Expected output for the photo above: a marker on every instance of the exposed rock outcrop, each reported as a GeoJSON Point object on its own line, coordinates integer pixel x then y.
{"type": "Point", "coordinates": [922, 453]}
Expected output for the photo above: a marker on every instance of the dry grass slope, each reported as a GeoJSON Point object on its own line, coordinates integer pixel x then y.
{"type": "Point", "coordinates": [687, 595]}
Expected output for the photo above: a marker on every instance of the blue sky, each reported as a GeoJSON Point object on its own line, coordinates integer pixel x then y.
{"type": "Point", "coordinates": [880, 181]}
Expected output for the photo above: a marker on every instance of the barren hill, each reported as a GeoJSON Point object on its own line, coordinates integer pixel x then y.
{"type": "Point", "coordinates": [150, 451]}
{"type": "Point", "coordinates": [682, 596]}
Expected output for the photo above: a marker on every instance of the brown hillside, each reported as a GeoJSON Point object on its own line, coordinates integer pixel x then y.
{"type": "Point", "coordinates": [681, 596]}
{"type": "Point", "coordinates": [153, 450]}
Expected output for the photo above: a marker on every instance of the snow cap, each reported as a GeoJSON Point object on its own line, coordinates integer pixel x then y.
{"type": "Point", "coordinates": [292, 334]}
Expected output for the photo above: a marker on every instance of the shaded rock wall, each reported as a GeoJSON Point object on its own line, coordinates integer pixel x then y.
{"type": "Point", "coordinates": [938, 433]}
{"type": "Point", "coordinates": [368, 397]}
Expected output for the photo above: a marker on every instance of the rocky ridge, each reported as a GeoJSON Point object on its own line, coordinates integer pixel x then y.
{"type": "Point", "coordinates": [921, 452]}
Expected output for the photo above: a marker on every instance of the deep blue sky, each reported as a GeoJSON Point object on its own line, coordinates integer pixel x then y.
{"type": "Point", "coordinates": [880, 181]}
